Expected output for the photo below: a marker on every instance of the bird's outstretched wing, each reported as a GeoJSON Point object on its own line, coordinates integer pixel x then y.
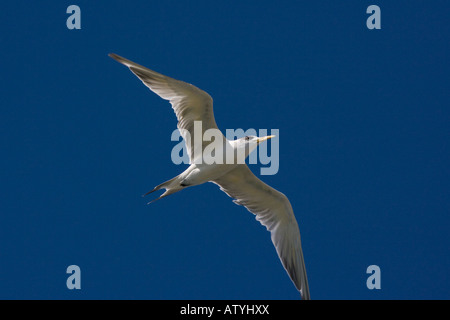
{"type": "Point", "coordinates": [274, 211]}
{"type": "Point", "coordinates": [189, 102]}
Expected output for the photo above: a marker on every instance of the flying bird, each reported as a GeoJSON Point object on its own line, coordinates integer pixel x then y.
{"type": "Point", "coordinates": [271, 207]}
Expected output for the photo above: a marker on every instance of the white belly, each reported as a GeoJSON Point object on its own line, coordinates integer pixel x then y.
{"type": "Point", "coordinates": [200, 173]}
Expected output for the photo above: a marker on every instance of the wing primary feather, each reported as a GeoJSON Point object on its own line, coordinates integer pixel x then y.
{"type": "Point", "coordinates": [189, 103]}
{"type": "Point", "coordinates": [274, 211]}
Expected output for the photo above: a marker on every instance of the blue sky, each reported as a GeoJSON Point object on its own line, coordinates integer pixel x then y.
{"type": "Point", "coordinates": [364, 148]}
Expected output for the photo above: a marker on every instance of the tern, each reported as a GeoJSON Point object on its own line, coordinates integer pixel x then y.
{"type": "Point", "coordinates": [271, 207]}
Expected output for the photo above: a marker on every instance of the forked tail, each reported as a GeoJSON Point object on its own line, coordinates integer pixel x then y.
{"type": "Point", "coordinates": [171, 186]}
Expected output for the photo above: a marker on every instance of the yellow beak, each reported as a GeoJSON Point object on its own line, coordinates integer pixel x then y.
{"type": "Point", "coordinates": [265, 138]}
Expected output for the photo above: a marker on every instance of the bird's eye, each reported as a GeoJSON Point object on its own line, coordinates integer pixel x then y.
{"type": "Point", "coordinates": [247, 138]}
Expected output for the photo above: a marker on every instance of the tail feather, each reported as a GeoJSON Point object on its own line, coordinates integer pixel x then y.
{"type": "Point", "coordinates": [171, 186]}
{"type": "Point", "coordinates": [146, 194]}
{"type": "Point", "coordinates": [165, 194]}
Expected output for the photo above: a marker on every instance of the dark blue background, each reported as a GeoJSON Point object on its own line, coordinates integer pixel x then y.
{"type": "Point", "coordinates": [364, 148]}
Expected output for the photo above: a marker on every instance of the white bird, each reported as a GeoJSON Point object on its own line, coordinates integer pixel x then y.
{"type": "Point", "coordinates": [271, 207]}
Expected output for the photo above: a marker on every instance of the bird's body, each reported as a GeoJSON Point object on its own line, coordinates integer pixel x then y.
{"type": "Point", "coordinates": [232, 175]}
{"type": "Point", "coordinates": [194, 175]}
{"type": "Point", "coordinates": [201, 173]}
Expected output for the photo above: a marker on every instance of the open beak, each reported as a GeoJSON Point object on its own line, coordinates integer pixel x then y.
{"type": "Point", "coordinates": [265, 138]}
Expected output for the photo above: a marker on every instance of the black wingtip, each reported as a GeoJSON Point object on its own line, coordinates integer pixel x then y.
{"type": "Point", "coordinates": [115, 56]}
{"type": "Point", "coordinates": [120, 59]}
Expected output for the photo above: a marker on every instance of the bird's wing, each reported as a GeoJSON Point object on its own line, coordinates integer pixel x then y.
{"type": "Point", "coordinates": [274, 211]}
{"type": "Point", "coordinates": [189, 102]}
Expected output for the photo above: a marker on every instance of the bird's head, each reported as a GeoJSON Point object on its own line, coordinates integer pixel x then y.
{"type": "Point", "coordinates": [249, 143]}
